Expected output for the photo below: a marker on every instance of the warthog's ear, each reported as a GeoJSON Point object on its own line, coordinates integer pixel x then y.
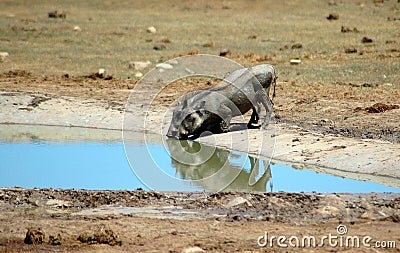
{"type": "Point", "coordinates": [200, 105]}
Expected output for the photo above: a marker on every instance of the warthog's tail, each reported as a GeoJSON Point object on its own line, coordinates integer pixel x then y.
{"type": "Point", "coordinates": [275, 77]}
{"type": "Point", "coordinates": [274, 93]}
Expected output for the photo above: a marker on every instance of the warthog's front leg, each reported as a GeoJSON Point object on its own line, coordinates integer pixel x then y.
{"type": "Point", "coordinates": [226, 114]}
{"type": "Point", "coordinates": [263, 98]}
{"type": "Point", "coordinates": [254, 117]}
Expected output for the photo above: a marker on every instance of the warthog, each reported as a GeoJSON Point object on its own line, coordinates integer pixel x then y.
{"type": "Point", "coordinates": [211, 110]}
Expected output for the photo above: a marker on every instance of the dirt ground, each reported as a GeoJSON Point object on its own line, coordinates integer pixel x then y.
{"type": "Point", "coordinates": [346, 109]}
{"type": "Point", "coordinates": [345, 85]}
{"type": "Point", "coordinates": [176, 222]}
{"type": "Point", "coordinates": [142, 221]}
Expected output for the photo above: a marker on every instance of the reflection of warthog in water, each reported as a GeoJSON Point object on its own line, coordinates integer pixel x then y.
{"type": "Point", "coordinates": [212, 110]}
{"type": "Point", "coordinates": [197, 161]}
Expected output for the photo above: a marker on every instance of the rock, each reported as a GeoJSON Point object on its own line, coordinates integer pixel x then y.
{"type": "Point", "coordinates": [394, 218]}
{"type": "Point", "coordinates": [164, 66]}
{"type": "Point", "coordinates": [3, 56]}
{"type": "Point", "coordinates": [159, 46]}
{"type": "Point", "coordinates": [393, 18]}
{"type": "Point", "coordinates": [55, 240]}
{"type": "Point", "coordinates": [151, 29]}
{"type": "Point", "coordinates": [138, 75]}
{"type": "Point", "coordinates": [350, 50]}
{"type": "Point", "coordinates": [224, 52]}
{"type": "Point", "coordinates": [77, 29]}
{"type": "Point", "coordinates": [173, 62]}
{"type": "Point", "coordinates": [332, 2]}
{"type": "Point", "coordinates": [238, 201]}
{"type": "Point", "coordinates": [34, 236]}
{"type": "Point", "coordinates": [190, 52]}
{"type": "Point", "coordinates": [139, 65]}
{"type": "Point", "coordinates": [87, 238]}
{"type": "Point", "coordinates": [346, 29]}
{"type": "Point", "coordinates": [57, 14]}
{"type": "Point", "coordinates": [380, 107]}
{"type": "Point", "coordinates": [366, 40]}
{"type": "Point", "coordinates": [284, 48]}
{"type": "Point", "coordinates": [209, 44]}
{"type": "Point", "coordinates": [166, 40]}
{"type": "Point", "coordinates": [58, 203]}
{"type": "Point", "coordinates": [194, 249]}
{"type": "Point", "coordinates": [32, 201]}
{"type": "Point", "coordinates": [102, 73]}
{"type": "Point", "coordinates": [333, 16]}
{"type": "Point", "coordinates": [36, 101]}
{"type": "Point", "coordinates": [369, 85]}
{"type": "Point", "coordinates": [369, 215]}
{"type": "Point", "coordinates": [99, 75]}
{"type": "Point", "coordinates": [106, 236]}
{"type": "Point", "coordinates": [297, 45]}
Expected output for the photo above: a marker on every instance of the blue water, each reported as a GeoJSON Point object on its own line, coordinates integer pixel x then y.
{"type": "Point", "coordinates": [104, 165]}
{"type": "Point", "coordinates": [79, 165]}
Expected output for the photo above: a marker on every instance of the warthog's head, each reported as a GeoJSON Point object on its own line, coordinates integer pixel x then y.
{"type": "Point", "coordinates": [187, 122]}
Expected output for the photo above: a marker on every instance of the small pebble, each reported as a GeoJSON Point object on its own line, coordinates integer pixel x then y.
{"type": "Point", "coordinates": [224, 52]}
{"type": "Point", "coordinates": [159, 46]}
{"type": "Point", "coordinates": [151, 29]}
{"type": "Point", "coordinates": [333, 16]}
{"type": "Point", "coordinates": [366, 40]}
{"type": "Point", "coordinates": [3, 56]}
{"type": "Point", "coordinates": [350, 50]}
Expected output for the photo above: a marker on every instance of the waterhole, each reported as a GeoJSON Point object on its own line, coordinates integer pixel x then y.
{"type": "Point", "coordinates": [97, 165]}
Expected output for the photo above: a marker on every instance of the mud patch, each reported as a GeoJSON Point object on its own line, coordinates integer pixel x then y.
{"type": "Point", "coordinates": [106, 236]}
{"type": "Point", "coordinates": [36, 101]}
{"type": "Point", "coordinates": [380, 107]}
{"type": "Point", "coordinates": [34, 236]}
{"type": "Point", "coordinates": [98, 75]}
{"type": "Point", "coordinates": [15, 73]}
{"type": "Point", "coordinates": [229, 222]}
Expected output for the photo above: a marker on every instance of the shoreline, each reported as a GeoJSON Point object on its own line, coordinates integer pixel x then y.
{"type": "Point", "coordinates": [94, 120]}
